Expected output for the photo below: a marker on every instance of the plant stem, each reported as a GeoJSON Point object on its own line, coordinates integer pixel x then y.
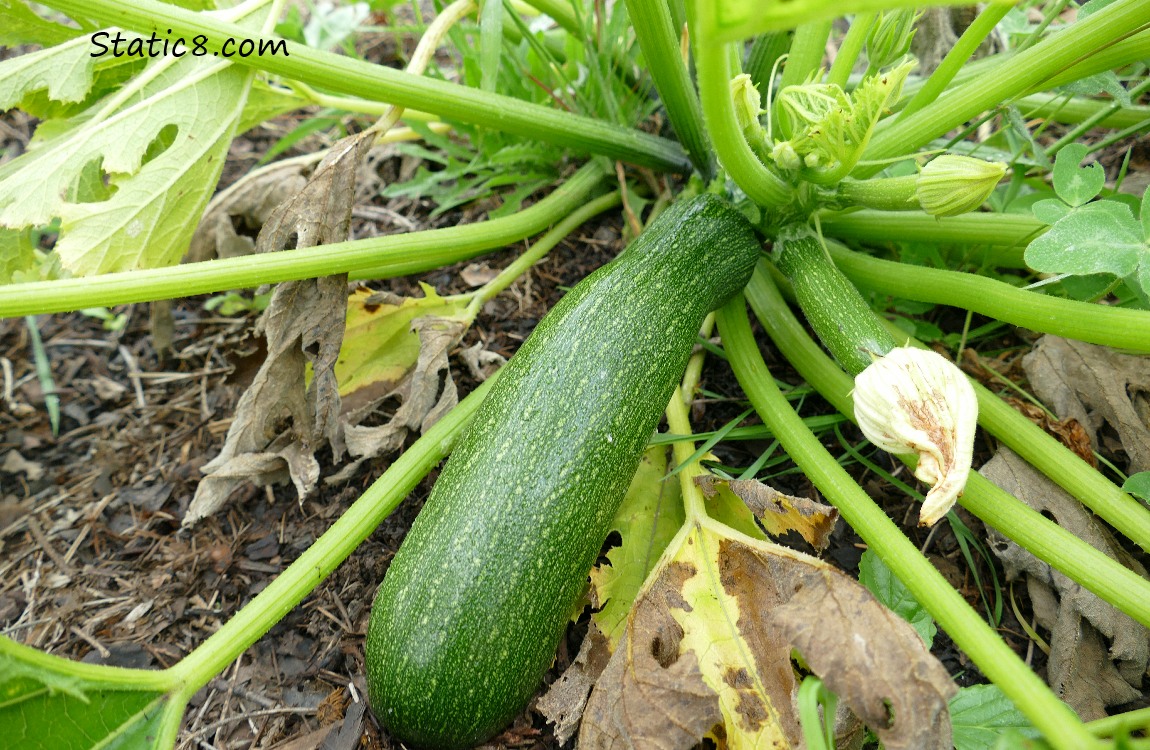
{"type": "Point", "coordinates": [378, 257]}
{"type": "Point", "coordinates": [1098, 117]}
{"type": "Point", "coordinates": [1119, 327]}
{"type": "Point", "coordinates": [764, 53]}
{"type": "Point", "coordinates": [541, 247]}
{"type": "Point", "coordinates": [301, 577]}
{"type": "Point", "coordinates": [1058, 462]}
{"type": "Point", "coordinates": [713, 70]}
{"type": "Point", "coordinates": [1047, 541]}
{"type": "Point", "coordinates": [958, 55]}
{"type": "Point", "coordinates": [352, 77]}
{"type": "Point", "coordinates": [1018, 75]}
{"type": "Point", "coordinates": [808, 47]}
{"type": "Point", "coordinates": [996, 660]}
{"type": "Point", "coordinates": [1074, 109]}
{"type": "Point", "coordinates": [1011, 230]}
{"type": "Point", "coordinates": [849, 50]}
{"type": "Point", "coordinates": [659, 42]}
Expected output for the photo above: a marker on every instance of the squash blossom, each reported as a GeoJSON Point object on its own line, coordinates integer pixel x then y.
{"type": "Point", "coordinates": [916, 401]}
{"type": "Point", "coordinates": [951, 184]}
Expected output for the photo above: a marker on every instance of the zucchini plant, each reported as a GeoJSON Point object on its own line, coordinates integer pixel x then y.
{"type": "Point", "coordinates": [769, 176]}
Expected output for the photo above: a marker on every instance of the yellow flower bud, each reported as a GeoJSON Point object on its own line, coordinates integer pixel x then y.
{"type": "Point", "coordinates": [916, 401]}
{"type": "Point", "coordinates": [951, 185]}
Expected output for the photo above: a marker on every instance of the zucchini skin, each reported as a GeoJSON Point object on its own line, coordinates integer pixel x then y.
{"type": "Point", "coordinates": [474, 603]}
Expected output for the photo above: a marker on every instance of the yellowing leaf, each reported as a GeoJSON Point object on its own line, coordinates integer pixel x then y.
{"type": "Point", "coordinates": [379, 344]}
{"type": "Point", "coordinates": [651, 513]}
{"type": "Point", "coordinates": [780, 513]}
{"type": "Point", "coordinates": [709, 642]}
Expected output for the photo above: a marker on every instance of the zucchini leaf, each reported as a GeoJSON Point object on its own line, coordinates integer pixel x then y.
{"type": "Point", "coordinates": [649, 517]}
{"type": "Point", "coordinates": [46, 700]}
{"type": "Point", "coordinates": [129, 175]}
{"type": "Point", "coordinates": [710, 641]}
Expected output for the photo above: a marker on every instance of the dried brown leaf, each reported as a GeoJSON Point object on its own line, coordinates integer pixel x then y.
{"type": "Point", "coordinates": [708, 651]}
{"type": "Point", "coordinates": [280, 422]}
{"type": "Point", "coordinates": [1069, 432]}
{"type": "Point", "coordinates": [247, 205]}
{"type": "Point", "coordinates": [1096, 385]}
{"type": "Point", "coordinates": [565, 700]}
{"type": "Point", "coordinates": [1080, 669]}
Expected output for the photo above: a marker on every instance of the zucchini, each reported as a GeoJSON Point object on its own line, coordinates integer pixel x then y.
{"type": "Point", "coordinates": [475, 601]}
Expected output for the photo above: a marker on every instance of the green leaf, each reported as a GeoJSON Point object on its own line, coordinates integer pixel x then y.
{"type": "Point", "coordinates": [158, 148]}
{"type": "Point", "coordinates": [17, 253]}
{"type": "Point", "coordinates": [647, 520]}
{"type": "Point", "coordinates": [1050, 210]}
{"type": "Point", "coordinates": [46, 701]}
{"type": "Point", "coordinates": [981, 714]}
{"type": "Point", "coordinates": [1074, 184]}
{"type": "Point", "coordinates": [888, 589]}
{"type": "Point", "coordinates": [1102, 237]}
{"type": "Point", "coordinates": [1144, 213]}
{"type": "Point", "coordinates": [1138, 484]}
{"type": "Point", "coordinates": [490, 43]}
{"type": "Point", "coordinates": [23, 26]}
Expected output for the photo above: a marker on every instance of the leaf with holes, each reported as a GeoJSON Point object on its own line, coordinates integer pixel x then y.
{"type": "Point", "coordinates": [130, 175]}
{"type": "Point", "coordinates": [709, 642]}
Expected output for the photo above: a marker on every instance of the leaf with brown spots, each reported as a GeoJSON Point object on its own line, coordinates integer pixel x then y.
{"type": "Point", "coordinates": [780, 513]}
{"type": "Point", "coordinates": [708, 652]}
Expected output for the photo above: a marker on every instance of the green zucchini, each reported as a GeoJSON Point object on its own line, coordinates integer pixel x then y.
{"type": "Point", "coordinates": [475, 601]}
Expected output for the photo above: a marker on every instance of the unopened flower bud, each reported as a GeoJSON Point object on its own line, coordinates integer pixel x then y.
{"type": "Point", "coordinates": [890, 37]}
{"type": "Point", "coordinates": [748, 103]}
{"type": "Point", "coordinates": [916, 401]}
{"type": "Point", "coordinates": [951, 185]}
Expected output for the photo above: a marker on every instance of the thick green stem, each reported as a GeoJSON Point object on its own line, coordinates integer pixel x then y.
{"type": "Point", "coordinates": [808, 47]}
{"type": "Point", "coordinates": [321, 558]}
{"type": "Point", "coordinates": [378, 257]}
{"type": "Point", "coordinates": [1044, 539]}
{"type": "Point", "coordinates": [353, 77]}
{"type": "Point", "coordinates": [1021, 74]}
{"type": "Point", "coordinates": [958, 55]}
{"type": "Point", "coordinates": [1059, 463]}
{"type": "Point", "coordinates": [849, 50]}
{"type": "Point", "coordinates": [1011, 230]}
{"type": "Point", "coordinates": [1076, 109]}
{"type": "Point", "coordinates": [1098, 324]}
{"type": "Point", "coordinates": [761, 59]}
{"type": "Point", "coordinates": [996, 660]}
{"type": "Point", "coordinates": [659, 41]}
{"type": "Point", "coordinates": [714, 74]}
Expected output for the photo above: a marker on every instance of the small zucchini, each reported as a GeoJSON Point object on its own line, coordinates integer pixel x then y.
{"type": "Point", "coordinates": [476, 599]}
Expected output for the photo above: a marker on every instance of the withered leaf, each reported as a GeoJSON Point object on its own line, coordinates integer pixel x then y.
{"type": "Point", "coordinates": [279, 419]}
{"type": "Point", "coordinates": [780, 513]}
{"type": "Point", "coordinates": [564, 701]}
{"type": "Point", "coordinates": [1080, 669]}
{"type": "Point", "coordinates": [427, 393]}
{"type": "Point", "coordinates": [1096, 385]}
{"type": "Point", "coordinates": [1069, 431]}
{"type": "Point", "coordinates": [709, 641]}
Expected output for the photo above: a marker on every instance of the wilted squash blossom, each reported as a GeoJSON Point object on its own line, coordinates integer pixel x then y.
{"type": "Point", "coordinates": [916, 401]}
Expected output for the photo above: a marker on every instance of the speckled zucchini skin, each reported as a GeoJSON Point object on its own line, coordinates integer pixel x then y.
{"type": "Point", "coordinates": [474, 603]}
